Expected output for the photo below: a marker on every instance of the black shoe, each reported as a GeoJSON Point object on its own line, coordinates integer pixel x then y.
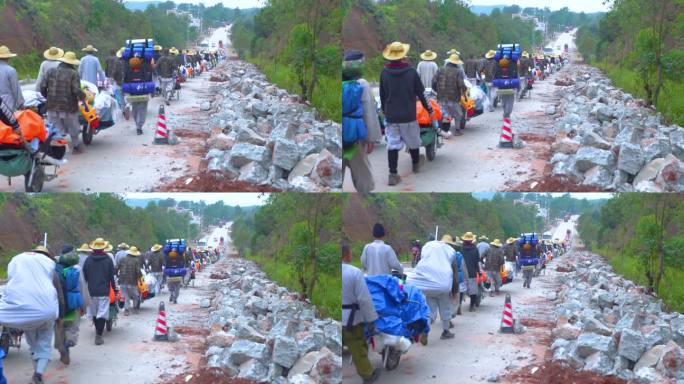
{"type": "Point", "coordinates": [447, 335]}
{"type": "Point", "coordinates": [168, 102]}
{"type": "Point", "coordinates": [424, 338]}
{"type": "Point", "coordinates": [139, 130]}
{"type": "Point", "coordinates": [471, 308]}
{"type": "Point", "coordinates": [37, 378]}
{"type": "Point", "coordinates": [374, 377]}
{"type": "Point", "coordinates": [458, 312]}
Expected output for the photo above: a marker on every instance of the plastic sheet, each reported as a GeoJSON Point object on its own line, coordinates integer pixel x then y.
{"type": "Point", "coordinates": [29, 298]}
{"type": "Point", "coordinates": [33, 99]}
{"type": "Point", "coordinates": [433, 272]}
{"type": "Point", "coordinates": [402, 311]}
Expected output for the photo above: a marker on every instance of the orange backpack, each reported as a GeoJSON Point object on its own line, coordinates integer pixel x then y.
{"type": "Point", "coordinates": [32, 126]}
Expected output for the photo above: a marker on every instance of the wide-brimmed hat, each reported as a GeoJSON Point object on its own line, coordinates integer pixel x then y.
{"type": "Point", "coordinates": [53, 53]}
{"type": "Point", "coordinates": [453, 52]}
{"type": "Point", "coordinates": [396, 51]}
{"type": "Point", "coordinates": [525, 54]}
{"type": "Point", "coordinates": [109, 247]}
{"type": "Point", "coordinates": [158, 48]}
{"type": "Point", "coordinates": [133, 251]}
{"type": "Point", "coordinates": [84, 248]}
{"type": "Point", "coordinates": [89, 48]}
{"type": "Point", "coordinates": [448, 239]}
{"type": "Point", "coordinates": [156, 247]}
{"type": "Point", "coordinates": [98, 244]}
{"type": "Point", "coordinates": [510, 240]}
{"type": "Point", "coordinates": [122, 246]}
{"type": "Point", "coordinates": [5, 53]}
{"type": "Point", "coordinates": [428, 55]}
{"type": "Point", "coordinates": [43, 250]}
{"type": "Point", "coordinates": [490, 54]}
{"type": "Point", "coordinates": [173, 51]}
{"type": "Point", "coordinates": [120, 52]}
{"type": "Point", "coordinates": [468, 236]}
{"type": "Point", "coordinates": [496, 243]}
{"type": "Point", "coordinates": [455, 59]}
{"type": "Point", "coordinates": [70, 58]}
{"type": "Point", "coordinates": [483, 237]}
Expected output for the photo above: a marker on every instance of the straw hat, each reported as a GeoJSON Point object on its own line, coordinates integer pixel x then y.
{"type": "Point", "coordinates": [70, 58]}
{"type": "Point", "coordinates": [158, 47]}
{"type": "Point", "coordinates": [483, 238]}
{"type": "Point", "coordinates": [156, 247]}
{"type": "Point", "coordinates": [490, 54]}
{"type": "Point", "coordinates": [89, 48]}
{"type": "Point", "coordinates": [120, 52]}
{"type": "Point", "coordinates": [428, 55]}
{"type": "Point", "coordinates": [43, 250]}
{"type": "Point", "coordinates": [396, 51]}
{"type": "Point", "coordinates": [5, 53]}
{"type": "Point", "coordinates": [133, 251]}
{"type": "Point", "coordinates": [109, 247]}
{"type": "Point", "coordinates": [468, 236]}
{"type": "Point", "coordinates": [496, 243]}
{"type": "Point", "coordinates": [173, 51]}
{"type": "Point", "coordinates": [84, 248]}
{"type": "Point", "coordinates": [448, 239]}
{"type": "Point", "coordinates": [510, 240]}
{"type": "Point", "coordinates": [453, 52]}
{"type": "Point", "coordinates": [525, 54]}
{"type": "Point", "coordinates": [98, 244]}
{"type": "Point", "coordinates": [53, 53]}
{"type": "Point", "coordinates": [454, 59]}
{"type": "Point", "coordinates": [122, 246]}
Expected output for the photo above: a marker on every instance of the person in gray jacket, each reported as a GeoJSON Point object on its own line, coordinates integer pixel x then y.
{"type": "Point", "coordinates": [427, 68]}
{"type": "Point", "coordinates": [379, 258]}
{"type": "Point", "coordinates": [52, 56]}
{"type": "Point", "coordinates": [10, 91]}
{"type": "Point", "coordinates": [359, 166]}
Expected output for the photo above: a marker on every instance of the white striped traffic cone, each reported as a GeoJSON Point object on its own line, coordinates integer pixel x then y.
{"type": "Point", "coordinates": [161, 329]}
{"type": "Point", "coordinates": [506, 139]}
{"type": "Point", "coordinates": [161, 135]}
{"type": "Point", "coordinates": [507, 317]}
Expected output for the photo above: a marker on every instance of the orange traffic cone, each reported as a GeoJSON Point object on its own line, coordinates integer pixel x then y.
{"type": "Point", "coordinates": [507, 321]}
{"type": "Point", "coordinates": [161, 330]}
{"type": "Point", "coordinates": [506, 139]}
{"type": "Point", "coordinates": [161, 135]}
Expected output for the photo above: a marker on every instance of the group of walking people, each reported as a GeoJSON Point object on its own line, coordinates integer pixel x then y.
{"type": "Point", "coordinates": [403, 89]}
{"type": "Point", "coordinates": [47, 295]}
{"type": "Point", "coordinates": [446, 271]}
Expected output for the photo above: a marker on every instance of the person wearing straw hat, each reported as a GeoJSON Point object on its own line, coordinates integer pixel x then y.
{"type": "Point", "coordinates": [462, 272]}
{"type": "Point", "coordinates": [487, 67]}
{"type": "Point", "coordinates": [427, 68]}
{"type": "Point", "coordinates": [482, 245]}
{"type": "Point", "coordinates": [472, 261]}
{"type": "Point", "coordinates": [62, 88]}
{"type": "Point", "coordinates": [511, 255]}
{"type": "Point", "coordinates": [524, 71]}
{"type": "Point", "coordinates": [52, 56]}
{"type": "Point", "coordinates": [114, 69]}
{"type": "Point", "coordinates": [129, 274]}
{"type": "Point", "coordinates": [98, 272]}
{"type": "Point", "coordinates": [379, 258]}
{"type": "Point", "coordinates": [166, 70]}
{"type": "Point", "coordinates": [400, 85]}
{"type": "Point", "coordinates": [359, 166]}
{"type": "Point", "coordinates": [10, 91]}
{"type": "Point", "coordinates": [449, 85]}
{"type": "Point", "coordinates": [83, 253]}
{"type": "Point", "coordinates": [155, 265]}
{"type": "Point", "coordinates": [121, 253]}
{"type": "Point", "coordinates": [494, 260]}
{"type": "Point", "coordinates": [470, 69]}
{"type": "Point", "coordinates": [33, 301]}
{"type": "Point", "coordinates": [90, 68]}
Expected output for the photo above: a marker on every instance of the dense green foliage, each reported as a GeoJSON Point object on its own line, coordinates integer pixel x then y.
{"type": "Point", "coordinates": [642, 236]}
{"type": "Point", "coordinates": [295, 238]}
{"type": "Point", "coordinates": [106, 24]}
{"type": "Point", "coordinates": [558, 206]}
{"type": "Point", "coordinates": [73, 218]}
{"type": "Point", "coordinates": [640, 46]}
{"type": "Point", "coordinates": [297, 45]}
{"type": "Point", "coordinates": [410, 216]}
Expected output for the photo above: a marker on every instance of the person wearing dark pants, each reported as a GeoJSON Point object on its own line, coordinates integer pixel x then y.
{"type": "Point", "coordinates": [98, 273]}
{"type": "Point", "coordinates": [471, 256]}
{"type": "Point", "coordinates": [400, 85]}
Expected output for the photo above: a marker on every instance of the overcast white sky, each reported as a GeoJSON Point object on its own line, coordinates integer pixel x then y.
{"type": "Point", "coordinates": [226, 3]}
{"type": "Point", "coordinates": [241, 199]}
{"type": "Point", "coordinates": [587, 6]}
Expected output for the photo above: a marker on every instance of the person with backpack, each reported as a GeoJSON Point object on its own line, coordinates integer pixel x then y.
{"type": "Point", "coordinates": [471, 256]}
{"type": "Point", "coordinates": [76, 300]}
{"type": "Point", "coordinates": [360, 123]}
{"type": "Point", "coordinates": [138, 79]}
{"type": "Point", "coordinates": [155, 264]}
{"type": "Point", "coordinates": [98, 273]}
{"type": "Point", "coordinates": [494, 260]}
{"type": "Point", "coordinates": [175, 270]}
{"type": "Point", "coordinates": [400, 85]}
{"type": "Point", "coordinates": [129, 273]}
{"type": "Point", "coordinates": [90, 68]}
{"type": "Point", "coordinates": [507, 84]}
{"type": "Point", "coordinates": [449, 86]}
{"type": "Point", "coordinates": [524, 72]}
{"type": "Point", "coordinates": [166, 68]}
{"type": "Point", "coordinates": [33, 301]}
{"type": "Point", "coordinates": [529, 258]}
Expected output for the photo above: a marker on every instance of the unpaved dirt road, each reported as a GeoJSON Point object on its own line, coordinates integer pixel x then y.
{"type": "Point", "coordinates": [129, 354]}
{"type": "Point", "coordinates": [118, 160]}
{"type": "Point", "coordinates": [479, 350]}
{"type": "Point", "coordinates": [474, 162]}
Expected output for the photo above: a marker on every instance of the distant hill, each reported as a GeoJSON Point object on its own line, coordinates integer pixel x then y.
{"type": "Point", "coordinates": [484, 9]}
{"type": "Point", "coordinates": [140, 5]}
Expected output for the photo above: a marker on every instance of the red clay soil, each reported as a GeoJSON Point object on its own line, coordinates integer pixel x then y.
{"type": "Point", "coordinates": [555, 373]}
{"type": "Point", "coordinates": [212, 182]}
{"type": "Point", "coordinates": [206, 376]}
{"type": "Point", "coordinates": [561, 268]}
{"type": "Point", "coordinates": [191, 331]}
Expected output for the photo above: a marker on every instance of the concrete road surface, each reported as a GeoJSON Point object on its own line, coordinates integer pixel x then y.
{"type": "Point", "coordinates": [478, 350]}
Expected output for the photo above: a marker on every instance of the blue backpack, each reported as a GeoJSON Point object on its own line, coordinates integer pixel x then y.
{"type": "Point", "coordinates": [71, 286]}
{"type": "Point", "coordinates": [353, 127]}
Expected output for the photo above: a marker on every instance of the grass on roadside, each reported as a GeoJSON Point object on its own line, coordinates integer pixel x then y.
{"type": "Point", "coordinates": [672, 289]}
{"type": "Point", "coordinates": [327, 295]}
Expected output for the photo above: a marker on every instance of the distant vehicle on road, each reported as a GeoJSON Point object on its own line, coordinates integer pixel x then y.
{"type": "Point", "coordinates": [567, 217]}
{"type": "Point", "coordinates": [547, 236]}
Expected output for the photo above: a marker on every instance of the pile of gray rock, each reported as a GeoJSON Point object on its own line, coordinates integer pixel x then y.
{"type": "Point", "coordinates": [266, 136]}
{"type": "Point", "coordinates": [263, 332]}
{"type": "Point", "coordinates": [608, 140]}
{"type": "Point", "coordinates": [609, 325]}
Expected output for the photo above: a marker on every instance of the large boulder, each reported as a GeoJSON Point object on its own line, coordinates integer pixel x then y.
{"type": "Point", "coordinates": [671, 362]}
{"type": "Point", "coordinates": [588, 157]}
{"type": "Point", "coordinates": [677, 325]}
{"type": "Point", "coordinates": [599, 362]}
{"type": "Point", "coordinates": [596, 326]}
{"type": "Point", "coordinates": [566, 145]}
{"type": "Point", "coordinates": [631, 345]}
{"type": "Point", "coordinates": [243, 153]}
{"type": "Point", "coordinates": [285, 351]}
{"type": "Point", "coordinates": [590, 343]}
{"type": "Point", "coordinates": [592, 139]}
{"type": "Point", "coordinates": [567, 332]}
{"type": "Point", "coordinates": [631, 158]}
{"type": "Point", "coordinates": [650, 358]}
{"type": "Point", "coordinates": [243, 350]}
{"type": "Point", "coordinates": [598, 177]}
{"type": "Point", "coordinates": [650, 171]}
{"type": "Point", "coordinates": [254, 370]}
{"type": "Point", "coordinates": [671, 176]}
{"type": "Point", "coordinates": [285, 154]}
{"type": "Point", "coordinates": [248, 135]}
{"type": "Point", "coordinates": [677, 142]}
{"type": "Point", "coordinates": [253, 173]}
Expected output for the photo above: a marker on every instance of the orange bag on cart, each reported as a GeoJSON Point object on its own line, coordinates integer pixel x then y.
{"type": "Point", "coordinates": [32, 127]}
{"type": "Point", "coordinates": [143, 289]}
{"type": "Point", "coordinates": [423, 116]}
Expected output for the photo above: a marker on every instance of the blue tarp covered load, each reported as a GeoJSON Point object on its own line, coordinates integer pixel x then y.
{"type": "Point", "coordinates": [400, 312]}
